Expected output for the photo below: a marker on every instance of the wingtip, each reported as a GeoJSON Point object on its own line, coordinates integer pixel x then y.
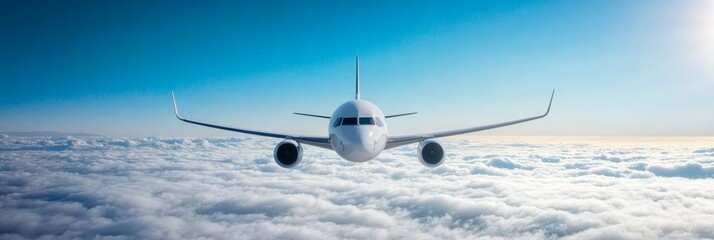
{"type": "Point", "coordinates": [550, 103]}
{"type": "Point", "coordinates": [173, 99]}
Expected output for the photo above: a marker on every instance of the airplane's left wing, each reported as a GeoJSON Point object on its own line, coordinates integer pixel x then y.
{"type": "Point", "coordinates": [393, 142]}
{"type": "Point", "coordinates": [322, 142]}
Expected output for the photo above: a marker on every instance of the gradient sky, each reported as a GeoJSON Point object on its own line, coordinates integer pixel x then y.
{"type": "Point", "coordinates": [107, 67]}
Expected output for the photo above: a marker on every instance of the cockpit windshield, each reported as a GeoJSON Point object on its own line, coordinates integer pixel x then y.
{"type": "Point", "coordinates": [358, 121]}
{"type": "Point", "coordinates": [366, 121]}
{"type": "Point", "coordinates": [349, 121]}
{"type": "Point", "coordinates": [379, 122]}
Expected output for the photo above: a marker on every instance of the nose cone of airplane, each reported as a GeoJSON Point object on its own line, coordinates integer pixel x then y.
{"type": "Point", "coordinates": [360, 146]}
{"type": "Point", "coordinates": [353, 139]}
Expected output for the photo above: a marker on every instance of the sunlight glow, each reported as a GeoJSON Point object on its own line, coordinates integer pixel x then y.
{"type": "Point", "coordinates": [707, 17]}
{"type": "Point", "coordinates": [697, 36]}
{"type": "Point", "coordinates": [707, 42]}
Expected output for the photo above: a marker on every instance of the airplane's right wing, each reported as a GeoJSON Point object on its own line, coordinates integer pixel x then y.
{"type": "Point", "coordinates": [399, 115]}
{"type": "Point", "coordinates": [393, 142]}
{"type": "Point", "coordinates": [322, 142]}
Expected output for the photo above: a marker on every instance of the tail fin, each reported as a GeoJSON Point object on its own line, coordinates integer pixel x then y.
{"type": "Point", "coordinates": [357, 79]}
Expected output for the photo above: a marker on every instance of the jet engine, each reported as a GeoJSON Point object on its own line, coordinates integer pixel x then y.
{"type": "Point", "coordinates": [431, 153]}
{"type": "Point", "coordinates": [288, 153]}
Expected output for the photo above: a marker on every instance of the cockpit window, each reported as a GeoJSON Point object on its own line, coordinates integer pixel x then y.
{"type": "Point", "coordinates": [349, 121]}
{"type": "Point", "coordinates": [356, 121]}
{"type": "Point", "coordinates": [379, 122]}
{"type": "Point", "coordinates": [366, 121]}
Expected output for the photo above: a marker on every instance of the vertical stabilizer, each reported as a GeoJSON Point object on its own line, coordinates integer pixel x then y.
{"type": "Point", "coordinates": [357, 79]}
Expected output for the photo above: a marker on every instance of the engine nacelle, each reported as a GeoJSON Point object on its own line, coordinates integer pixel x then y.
{"type": "Point", "coordinates": [431, 153]}
{"type": "Point", "coordinates": [288, 153]}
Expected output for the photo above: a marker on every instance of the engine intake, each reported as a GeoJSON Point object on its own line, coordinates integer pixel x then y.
{"type": "Point", "coordinates": [431, 153]}
{"type": "Point", "coordinates": [288, 153]}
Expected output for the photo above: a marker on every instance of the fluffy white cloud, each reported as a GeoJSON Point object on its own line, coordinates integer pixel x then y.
{"type": "Point", "coordinates": [491, 188]}
{"type": "Point", "coordinates": [687, 170]}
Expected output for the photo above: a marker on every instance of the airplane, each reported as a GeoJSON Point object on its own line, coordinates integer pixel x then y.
{"type": "Point", "coordinates": [358, 132]}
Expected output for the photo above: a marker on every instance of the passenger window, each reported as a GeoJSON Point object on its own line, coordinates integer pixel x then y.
{"type": "Point", "coordinates": [337, 122]}
{"type": "Point", "coordinates": [349, 121]}
{"type": "Point", "coordinates": [366, 121]}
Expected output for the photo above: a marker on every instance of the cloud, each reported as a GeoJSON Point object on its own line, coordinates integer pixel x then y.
{"type": "Point", "coordinates": [704, 150]}
{"type": "Point", "coordinates": [487, 171]}
{"type": "Point", "coordinates": [603, 171]}
{"type": "Point", "coordinates": [687, 170]}
{"type": "Point", "coordinates": [641, 166]}
{"type": "Point", "coordinates": [545, 159]}
{"type": "Point", "coordinates": [607, 158]}
{"type": "Point", "coordinates": [505, 163]}
{"type": "Point", "coordinates": [502, 163]}
{"type": "Point", "coordinates": [226, 188]}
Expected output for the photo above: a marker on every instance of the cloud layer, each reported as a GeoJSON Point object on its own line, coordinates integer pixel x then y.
{"type": "Point", "coordinates": [491, 188]}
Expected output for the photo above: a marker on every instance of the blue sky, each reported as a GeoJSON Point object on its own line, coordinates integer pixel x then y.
{"type": "Point", "coordinates": [107, 67]}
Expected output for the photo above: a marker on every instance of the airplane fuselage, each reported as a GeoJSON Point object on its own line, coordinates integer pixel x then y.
{"type": "Point", "coordinates": [358, 131]}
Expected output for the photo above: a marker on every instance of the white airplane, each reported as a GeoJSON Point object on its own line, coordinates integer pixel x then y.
{"type": "Point", "coordinates": [358, 133]}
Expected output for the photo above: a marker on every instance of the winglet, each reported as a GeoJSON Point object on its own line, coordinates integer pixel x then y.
{"type": "Point", "coordinates": [175, 108]}
{"type": "Point", "coordinates": [357, 78]}
{"type": "Point", "coordinates": [550, 103]}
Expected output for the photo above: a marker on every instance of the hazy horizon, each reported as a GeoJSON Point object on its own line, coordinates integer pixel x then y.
{"type": "Point", "coordinates": [89, 134]}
